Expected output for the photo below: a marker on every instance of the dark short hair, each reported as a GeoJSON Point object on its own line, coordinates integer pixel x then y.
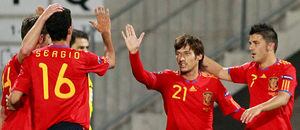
{"type": "Point", "coordinates": [267, 32]}
{"type": "Point", "coordinates": [78, 34]}
{"type": "Point", "coordinates": [58, 24]}
{"type": "Point", "coordinates": [28, 23]}
{"type": "Point", "coordinates": [195, 44]}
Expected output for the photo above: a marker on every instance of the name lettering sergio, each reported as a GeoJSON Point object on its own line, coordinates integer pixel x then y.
{"type": "Point", "coordinates": [58, 54]}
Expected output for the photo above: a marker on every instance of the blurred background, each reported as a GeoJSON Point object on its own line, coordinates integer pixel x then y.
{"type": "Point", "coordinates": [120, 102]}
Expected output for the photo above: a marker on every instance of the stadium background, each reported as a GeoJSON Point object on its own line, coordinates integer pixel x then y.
{"type": "Point", "coordinates": [120, 102]}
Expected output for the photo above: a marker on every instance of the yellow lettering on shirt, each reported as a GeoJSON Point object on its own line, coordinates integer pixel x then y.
{"type": "Point", "coordinates": [54, 54]}
{"type": "Point", "coordinates": [38, 53]}
{"type": "Point", "coordinates": [46, 53]}
{"type": "Point", "coordinates": [8, 82]}
{"type": "Point", "coordinates": [76, 55]}
{"type": "Point", "coordinates": [63, 54]}
{"type": "Point", "coordinates": [58, 54]}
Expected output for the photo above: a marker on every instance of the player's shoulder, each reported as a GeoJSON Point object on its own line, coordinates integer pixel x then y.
{"type": "Point", "coordinates": [208, 75]}
{"type": "Point", "coordinates": [284, 63]}
{"type": "Point", "coordinates": [168, 72]}
{"type": "Point", "coordinates": [13, 61]}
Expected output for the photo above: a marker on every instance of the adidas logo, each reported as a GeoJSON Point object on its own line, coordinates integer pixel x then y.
{"type": "Point", "coordinates": [192, 89]}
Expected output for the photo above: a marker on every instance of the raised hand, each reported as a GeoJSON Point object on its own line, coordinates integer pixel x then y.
{"type": "Point", "coordinates": [39, 10]}
{"type": "Point", "coordinates": [103, 24]}
{"type": "Point", "coordinates": [51, 9]}
{"type": "Point", "coordinates": [132, 42]}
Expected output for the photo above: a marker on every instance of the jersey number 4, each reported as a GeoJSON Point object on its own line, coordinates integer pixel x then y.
{"type": "Point", "coordinates": [59, 82]}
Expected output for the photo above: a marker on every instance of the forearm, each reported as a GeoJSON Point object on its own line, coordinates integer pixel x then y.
{"type": "Point", "coordinates": [280, 100]}
{"type": "Point", "coordinates": [109, 49]}
{"type": "Point", "coordinates": [139, 72]}
{"type": "Point", "coordinates": [216, 69]}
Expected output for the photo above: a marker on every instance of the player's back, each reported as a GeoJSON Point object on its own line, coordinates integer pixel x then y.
{"type": "Point", "coordinates": [60, 84]}
{"type": "Point", "coordinates": [20, 119]}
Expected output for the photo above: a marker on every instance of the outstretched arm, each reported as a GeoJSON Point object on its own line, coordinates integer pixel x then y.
{"type": "Point", "coordinates": [133, 44]}
{"type": "Point", "coordinates": [279, 100]}
{"type": "Point", "coordinates": [31, 39]}
{"type": "Point", "coordinates": [103, 25]}
{"type": "Point", "coordinates": [216, 69]}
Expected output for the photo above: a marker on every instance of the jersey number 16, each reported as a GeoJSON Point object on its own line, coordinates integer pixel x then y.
{"type": "Point", "coordinates": [59, 82]}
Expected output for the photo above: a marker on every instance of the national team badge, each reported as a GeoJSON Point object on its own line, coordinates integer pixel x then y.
{"type": "Point", "coordinates": [207, 98]}
{"type": "Point", "coordinates": [273, 83]}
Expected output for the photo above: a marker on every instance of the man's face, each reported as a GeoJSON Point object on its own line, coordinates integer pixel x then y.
{"type": "Point", "coordinates": [81, 44]}
{"type": "Point", "coordinates": [186, 59]}
{"type": "Point", "coordinates": [259, 48]}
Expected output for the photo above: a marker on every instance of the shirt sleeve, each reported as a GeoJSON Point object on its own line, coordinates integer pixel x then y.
{"type": "Point", "coordinates": [16, 64]}
{"type": "Point", "coordinates": [225, 100]}
{"type": "Point", "coordinates": [150, 79]}
{"type": "Point", "coordinates": [5, 89]}
{"type": "Point", "coordinates": [238, 73]}
{"type": "Point", "coordinates": [96, 64]}
{"type": "Point", "coordinates": [23, 82]}
{"type": "Point", "coordinates": [287, 81]}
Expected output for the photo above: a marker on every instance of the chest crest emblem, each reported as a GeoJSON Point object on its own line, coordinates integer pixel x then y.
{"type": "Point", "coordinates": [273, 84]}
{"type": "Point", "coordinates": [207, 98]}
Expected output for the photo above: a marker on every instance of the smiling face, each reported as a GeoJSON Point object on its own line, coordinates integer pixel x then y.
{"type": "Point", "coordinates": [259, 48]}
{"type": "Point", "coordinates": [187, 60]}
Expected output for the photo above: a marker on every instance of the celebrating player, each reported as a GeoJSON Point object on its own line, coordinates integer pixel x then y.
{"type": "Point", "coordinates": [188, 94]}
{"type": "Point", "coordinates": [21, 119]}
{"type": "Point", "coordinates": [271, 81]}
{"type": "Point", "coordinates": [56, 77]}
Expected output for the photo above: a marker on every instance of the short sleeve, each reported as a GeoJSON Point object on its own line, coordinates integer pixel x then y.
{"type": "Point", "coordinates": [225, 100]}
{"type": "Point", "coordinates": [96, 64]}
{"type": "Point", "coordinates": [24, 82]}
{"type": "Point", "coordinates": [238, 73]}
{"type": "Point", "coordinates": [287, 80]}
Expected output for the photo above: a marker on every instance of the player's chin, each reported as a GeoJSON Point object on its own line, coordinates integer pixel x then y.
{"type": "Point", "coordinates": [183, 70]}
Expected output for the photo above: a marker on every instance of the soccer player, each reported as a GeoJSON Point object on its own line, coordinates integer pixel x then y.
{"type": "Point", "coordinates": [80, 41]}
{"type": "Point", "coordinates": [56, 75]}
{"type": "Point", "coordinates": [188, 94]}
{"type": "Point", "coordinates": [21, 119]}
{"type": "Point", "coordinates": [271, 81]}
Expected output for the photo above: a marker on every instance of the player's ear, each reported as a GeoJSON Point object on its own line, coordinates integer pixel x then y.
{"type": "Point", "coordinates": [69, 36]}
{"type": "Point", "coordinates": [199, 57]}
{"type": "Point", "coordinates": [271, 46]}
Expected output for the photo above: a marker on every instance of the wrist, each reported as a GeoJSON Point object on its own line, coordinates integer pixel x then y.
{"type": "Point", "coordinates": [106, 33]}
{"type": "Point", "coordinates": [133, 51]}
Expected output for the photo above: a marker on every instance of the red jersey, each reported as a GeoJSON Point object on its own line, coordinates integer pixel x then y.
{"type": "Point", "coordinates": [188, 104]}
{"type": "Point", "coordinates": [58, 79]}
{"type": "Point", "coordinates": [21, 118]}
{"type": "Point", "coordinates": [263, 84]}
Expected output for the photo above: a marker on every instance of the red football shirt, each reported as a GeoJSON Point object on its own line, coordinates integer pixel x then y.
{"type": "Point", "coordinates": [263, 84]}
{"type": "Point", "coordinates": [20, 119]}
{"type": "Point", "coordinates": [188, 104]}
{"type": "Point", "coordinates": [58, 79]}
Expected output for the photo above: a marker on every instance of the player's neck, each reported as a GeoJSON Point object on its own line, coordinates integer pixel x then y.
{"type": "Point", "coordinates": [61, 42]}
{"type": "Point", "coordinates": [270, 60]}
{"type": "Point", "coordinates": [190, 75]}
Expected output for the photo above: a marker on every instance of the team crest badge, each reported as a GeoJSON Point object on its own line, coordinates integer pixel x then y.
{"type": "Point", "coordinates": [207, 98]}
{"type": "Point", "coordinates": [273, 83]}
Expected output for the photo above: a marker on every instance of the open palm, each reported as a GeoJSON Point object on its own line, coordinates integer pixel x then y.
{"type": "Point", "coordinates": [103, 23]}
{"type": "Point", "coordinates": [132, 42]}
